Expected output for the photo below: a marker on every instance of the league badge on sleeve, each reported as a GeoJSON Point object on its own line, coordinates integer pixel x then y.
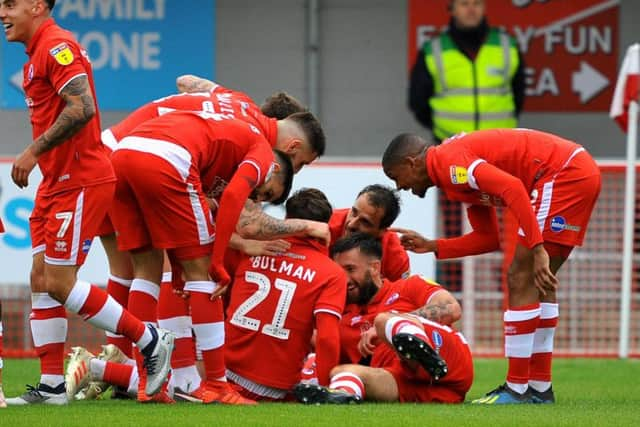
{"type": "Point", "coordinates": [62, 54]}
{"type": "Point", "coordinates": [458, 175]}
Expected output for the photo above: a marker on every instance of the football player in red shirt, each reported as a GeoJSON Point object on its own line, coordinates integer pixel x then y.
{"type": "Point", "coordinates": [550, 185]}
{"type": "Point", "coordinates": [373, 328]}
{"type": "Point", "coordinates": [281, 134]}
{"type": "Point", "coordinates": [188, 155]}
{"type": "Point", "coordinates": [303, 288]}
{"type": "Point", "coordinates": [72, 199]}
{"type": "Point", "coordinates": [373, 212]}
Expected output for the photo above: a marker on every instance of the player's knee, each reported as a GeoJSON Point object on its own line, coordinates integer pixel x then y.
{"type": "Point", "coordinates": [36, 279]}
{"type": "Point", "coordinates": [340, 369]}
{"type": "Point", "coordinates": [380, 322]}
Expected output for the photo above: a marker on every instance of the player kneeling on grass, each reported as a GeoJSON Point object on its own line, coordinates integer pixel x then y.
{"type": "Point", "coordinates": [275, 303]}
{"type": "Point", "coordinates": [412, 357]}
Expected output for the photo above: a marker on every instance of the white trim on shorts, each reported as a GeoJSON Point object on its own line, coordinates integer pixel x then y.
{"type": "Point", "coordinates": [179, 157]}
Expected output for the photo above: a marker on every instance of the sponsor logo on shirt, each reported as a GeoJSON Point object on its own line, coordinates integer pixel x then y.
{"type": "Point", "coordinates": [559, 224]}
{"type": "Point", "coordinates": [458, 175]}
{"type": "Point", "coordinates": [436, 338]}
{"type": "Point", "coordinates": [355, 320]}
{"type": "Point", "coordinates": [393, 298]}
{"type": "Point", "coordinates": [62, 54]}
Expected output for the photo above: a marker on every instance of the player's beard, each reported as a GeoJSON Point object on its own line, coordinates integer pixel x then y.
{"type": "Point", "coordinates": [366, 291]}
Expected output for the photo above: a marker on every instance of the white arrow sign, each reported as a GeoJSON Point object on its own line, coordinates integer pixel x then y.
{"type": "Point", "coordinates": [588, 82]}
{"type": "Point", "coordinates": [16, 80]}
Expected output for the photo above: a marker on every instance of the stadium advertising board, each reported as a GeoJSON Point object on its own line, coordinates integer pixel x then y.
{"type": "Point", "coordinates": [340, 181]}
{"type": "Point", "coordinates": [137, 48]}
{"type": "Point", "coordinates": [570, 47]}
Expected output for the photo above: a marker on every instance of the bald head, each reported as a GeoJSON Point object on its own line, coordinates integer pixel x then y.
{"type": "Point", "coordinates": [403, 146]}
{"type": "Point", "coordinates": [404, 162]}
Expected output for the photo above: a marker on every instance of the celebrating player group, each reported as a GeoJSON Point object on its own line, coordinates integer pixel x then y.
{"type": "Point", "coordinates": [211, 300]}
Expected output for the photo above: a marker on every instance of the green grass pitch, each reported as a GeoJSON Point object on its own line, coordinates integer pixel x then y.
{"type": "Point", "coordinates": [590, 392]}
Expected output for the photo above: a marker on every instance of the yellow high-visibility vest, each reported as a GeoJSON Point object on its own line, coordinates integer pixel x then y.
{"type": "Point", "coordinates": [471, 95]}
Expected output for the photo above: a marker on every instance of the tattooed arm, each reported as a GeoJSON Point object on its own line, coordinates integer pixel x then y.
{"type": "Point", "coordinates": [79, 109]}
{"type": "Point", "coordinates": [190, 84]}
{"type": "Point", "coordinates": [442, 307]}
{"type": "Point", "coordinates": [255, 224]}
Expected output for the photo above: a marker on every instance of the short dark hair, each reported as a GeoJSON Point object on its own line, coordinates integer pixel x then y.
{"type": "Point", "coordinates": [381, 196]}
{"type": "Point", "coordinates": [281, 105]}
{"type": "Point", "coordinates": [50, 3]}
{"type": "Point", "coordinates": [286, 174]}
{"type": "Point", "coordinates": [366, 243]}
{"type": "Point", "coordinates": [309, 203]}
{"type": "Point", "coordinates": [402, 146]}
{"type": "Point", "coordinates": [312, 130]}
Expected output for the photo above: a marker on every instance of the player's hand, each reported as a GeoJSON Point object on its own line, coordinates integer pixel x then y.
{"type": "Point", "coordinates": [414, 241]}
{"type": "Point", "coordinates": [543, 278]}
{"type": "Point", "coordinates": [220, 290]}
{"type": "Point", "coordinates": [221, 277]}
{"type": "Point", "coordinates": [368, 342]}
{"type": "Point", "coordinates": [319, 231]}
{"type": "Point", "coordinates": [213, 205]}
{"type": "Point", "coordinates": [265, 247]}
{"type": "Point", "coordinates": [22, 167]}
{"type": "Point", "coordinates": [181, 293]}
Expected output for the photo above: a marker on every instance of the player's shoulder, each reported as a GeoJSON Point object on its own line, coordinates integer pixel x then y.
{"type": "Point", "coordinates": [327, 268]}
{"type": "Point", "coordinates": [54, 34]}
{"type": "Point", "coordinates": [237, 127]}
{"type": "Point", "coordinates": [416, 281]}
{"type": "Point", "coordinates": [391, 241]}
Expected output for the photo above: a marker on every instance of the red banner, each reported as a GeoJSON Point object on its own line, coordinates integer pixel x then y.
{"type": "Point", "coordinates": [570, 47]}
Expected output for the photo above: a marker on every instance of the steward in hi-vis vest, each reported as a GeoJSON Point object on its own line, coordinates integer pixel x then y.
{"type": "Point", "coordinates": [468, 78]}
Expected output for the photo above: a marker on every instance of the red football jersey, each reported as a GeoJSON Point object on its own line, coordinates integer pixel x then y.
{"type": "Point", "coordinates": [217, 146]}
{"type": "Point", "coordinates": [225, 102]}
{"type": "Point", "coordinates": [270, 318]}
{"type": "Point", "coordinates": [403, 296]}
{"type": "Point", "coordinates": [395, 260]}
{"type": "Point", "coordinates": [497, 167]}
{"type": "Point", "coordinates": [56, 58]}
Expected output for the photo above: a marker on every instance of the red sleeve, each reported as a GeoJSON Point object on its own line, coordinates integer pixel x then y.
{"type": "Point", "coordinates": [332, 298]}
{"type": "Point", "coordinates": [1, 227]}
{"type": "Point", "coordinates": [395, 260]}
{"type": "Point", "coordinates": [511, 190]}
{"type": "Point", "coordinates": [64, 62]}
{"type": "Point", "coordinates": [327, 345]}
{"type": "Point", "coordinates": [231, 203]}
{"type": "Point", "coordinates": [483, 238]}
{"type": "Point", "coordinates": [336, 224]}
{"type": "Point", "coordinates": [260, 157]}
{"type": "Point", "coordinates": [129, 123]}
{"type": "Point", "coordinates": [420, 289]}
